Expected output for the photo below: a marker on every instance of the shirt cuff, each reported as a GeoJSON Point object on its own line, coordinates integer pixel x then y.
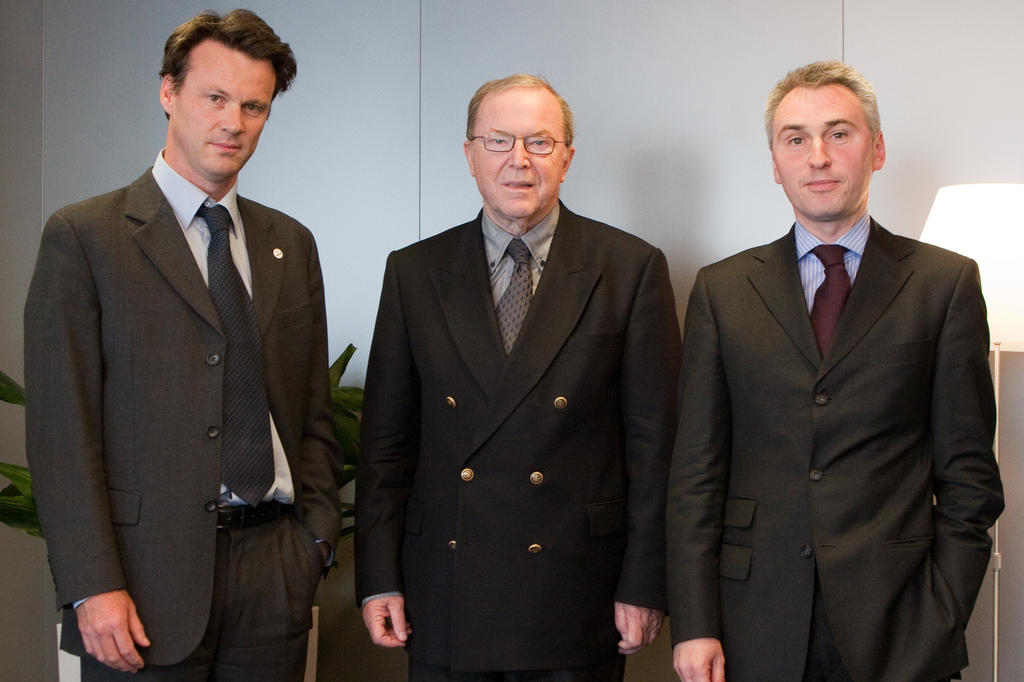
{"type": "Point", "coordinates": [379, 596]}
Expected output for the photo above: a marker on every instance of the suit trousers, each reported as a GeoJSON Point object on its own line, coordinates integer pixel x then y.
{"type": "Point", "coordinates": [823, 661]}
{"type": "Point", "coordinates": [611, 670]}
{"type": "Point", "coordinates": [265, 578]}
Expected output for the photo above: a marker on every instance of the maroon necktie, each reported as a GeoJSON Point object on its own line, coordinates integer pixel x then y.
{"type": "Point", "coordinates": [831, 296]}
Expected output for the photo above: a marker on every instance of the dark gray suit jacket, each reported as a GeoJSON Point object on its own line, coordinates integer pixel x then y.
{"type": "Point", "coordinates": [123, 380]}
{"type": "Point", "coordinates": [514, 498]}
{"type": "Point", "coordinates": [786, 461]}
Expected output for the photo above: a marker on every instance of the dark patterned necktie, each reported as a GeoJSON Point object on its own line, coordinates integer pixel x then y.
{"type": "Point", "coordinates": [831, 296]}
{"type": "Point", "coordinates": [516, 300]}
{"type": "Point", "coordinates": [247, 457]}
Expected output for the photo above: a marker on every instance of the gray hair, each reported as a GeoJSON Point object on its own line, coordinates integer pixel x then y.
{"type": "Point", "coordinates": [820, 74]}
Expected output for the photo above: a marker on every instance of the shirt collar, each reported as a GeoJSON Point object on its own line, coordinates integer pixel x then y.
{"type": "Point", "coordinates": [854, 239]}
{"type": "Point", "coordinates": [537, 238]}
{"type": "Point", "coordinates": [185, 198]}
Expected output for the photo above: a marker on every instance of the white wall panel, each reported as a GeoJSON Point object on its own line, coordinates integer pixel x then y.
{"type": "Point", "coordinates": [947, 75]}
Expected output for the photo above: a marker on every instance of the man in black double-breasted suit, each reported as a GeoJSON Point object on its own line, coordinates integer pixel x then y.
{"type": "Point", "coordinates": [510, 499]}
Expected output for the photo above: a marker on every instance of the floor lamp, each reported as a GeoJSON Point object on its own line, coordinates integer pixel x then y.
{"type": "Point", "coordinates": [985, 222]}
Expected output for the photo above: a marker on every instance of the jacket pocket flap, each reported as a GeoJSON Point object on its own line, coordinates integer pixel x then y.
{"type": "Point", "coordinates": [124, 506]}
{"type": "Point", "coordinates": [739, 512]}
{"type": "Point", "coordinates": [607, 518]}
{"type": "Point", "coordinates": [734, 562]}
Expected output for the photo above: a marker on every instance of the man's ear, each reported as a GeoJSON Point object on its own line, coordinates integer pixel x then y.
{"type": "Point", "coordinates": [569, 153]}
{"type": "Point", "coordinates": [879, 152]}
{"type": "Point", "coordinates": [469, 157]}
{"type": "Point", "coordinates": [167, 93]}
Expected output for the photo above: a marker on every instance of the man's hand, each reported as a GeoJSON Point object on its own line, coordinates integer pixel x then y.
{"type": "Point", "coordinates": [637, 625]}
{"type": "Point", "coordinates": [699, 660]}
{"type": "Point", "coordinates": [111, 629]}
{"type": "Point", "coordinates": [385, 619]}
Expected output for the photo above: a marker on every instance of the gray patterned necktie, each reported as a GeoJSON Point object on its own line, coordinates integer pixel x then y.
{"type": "Point", "coordinates": [247, 457]}
{"type": "Point", "coordinates": [516, 300]}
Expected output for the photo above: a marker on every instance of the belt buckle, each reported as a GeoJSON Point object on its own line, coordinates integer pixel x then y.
{"type": "Point", "coordinates": [229, 516]}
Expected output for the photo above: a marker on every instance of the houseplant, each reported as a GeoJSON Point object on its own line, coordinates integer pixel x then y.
{"type": "Point", "coordinates": [17, 504]}
{"type": "Point", "coordinates": [346, 405]}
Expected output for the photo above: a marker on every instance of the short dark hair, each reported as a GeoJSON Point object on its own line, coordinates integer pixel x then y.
{"type": "Point", "coordinates": [239, 29]}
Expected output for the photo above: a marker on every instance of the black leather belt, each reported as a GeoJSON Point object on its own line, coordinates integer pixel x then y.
{"type": "Point", "coordinates": [246, 516]}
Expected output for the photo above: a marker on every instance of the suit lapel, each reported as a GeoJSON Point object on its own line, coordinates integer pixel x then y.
{"type": "Point", "coordinates": [560, 299]}
{"type": "Point", "coordinates": [161, 239]}
{"type": "Point", "coordinates": [464, 290]}
{"type": "Point", "coordinates": [881, 275]}
{"type": "Point", "coordinates": [777, 282]}
{"type": "Point", "coordinates": [266, 267]}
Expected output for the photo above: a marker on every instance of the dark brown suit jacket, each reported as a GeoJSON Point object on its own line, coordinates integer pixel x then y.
{"type": "Point", "coordinates": [124, 386]}
{"type": "Point", "coordinates": [787, 462]}
{"type": "Point", "coordinates": [514, 498]}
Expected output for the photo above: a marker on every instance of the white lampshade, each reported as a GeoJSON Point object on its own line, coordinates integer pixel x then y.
{"type": "Point", "coordinates": [986, 222]}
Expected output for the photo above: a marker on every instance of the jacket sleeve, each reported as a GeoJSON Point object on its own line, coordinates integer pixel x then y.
{"type": "Point", "coordinates": [389, 446]}
{"type": "Point", "coordinates": [649, 371]}
{"type": "Point", "coordinates": [966, 483]}
{"type": "Point", "coordinates": [317, 494]}
{"type": "Point", "coordinates": [697, 478]}
{"type": "Point", "coordinates": [64, 417]}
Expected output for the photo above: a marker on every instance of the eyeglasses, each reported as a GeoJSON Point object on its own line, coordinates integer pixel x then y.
{"type": "Point", "coordinates": [538, 145]}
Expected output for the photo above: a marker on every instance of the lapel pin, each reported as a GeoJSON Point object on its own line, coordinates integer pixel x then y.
{"type": "Point", "coordinates": [278, 254]}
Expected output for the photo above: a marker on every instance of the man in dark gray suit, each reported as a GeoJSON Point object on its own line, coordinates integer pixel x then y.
{"type": "Point", "coordinates": [833, 479]}
{"type": "Point", "coordinates": [517, 426]}
{"type": "Point", "coordinates": [179, 423]}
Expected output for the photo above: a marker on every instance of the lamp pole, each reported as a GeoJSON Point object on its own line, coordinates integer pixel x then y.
{"type": "Point", "coordinates": [997, 558]}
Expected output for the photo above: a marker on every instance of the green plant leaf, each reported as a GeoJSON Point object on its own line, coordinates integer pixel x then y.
{"type": "Point", "coordinates": [17, 503]}
{"type": "Point", "coordinates": [347, 435]}
{"type": "Point", "coordinates": [348, 474]}
{"type": "Point", "coordinates": [348, 397]}
{"type": "Point", "coordinates": [11, 391]}
{"type": "Point", "coordinates": [19, 477]}
{"type": "Point", "coordinates": [348, 516]}
{"type": "Point", "coordinates": [339, 366]}
{"type": "Point", "coordinates": [346, 407]}
{"type": "Point", "coordinates": [19, 511]}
